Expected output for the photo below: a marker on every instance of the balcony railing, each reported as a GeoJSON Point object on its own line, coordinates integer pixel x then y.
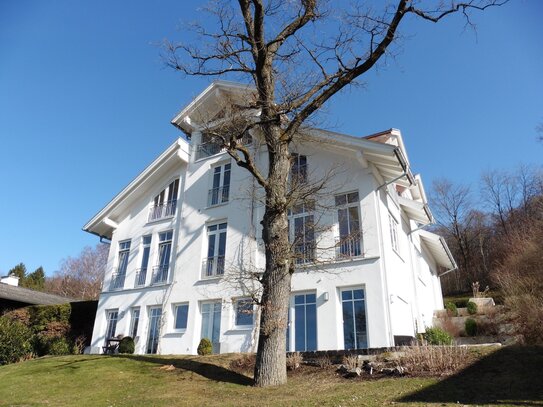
{"type": "Point", "coordinates": [160, 274]}
{"type": "Point", "coordinates": [162, 210]}
{"type": "Point", "coordinates": [304, 252]}
{"type": "Point", "coordinates": [213, 267]}
{"type": "Point", "coordinates": [208, 149]}
{"type": "Point", "coordinates": [217, 196]}
{"type": "Point", "coordinates": [349, 246]}
{"type": "Point", "coordinates": [117, 280]}
{"type": "Point", "coordinates": [141, 277]}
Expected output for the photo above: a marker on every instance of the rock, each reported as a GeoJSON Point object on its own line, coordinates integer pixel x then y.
{"type": "Point", "coordinates": [353, 372]}
{"type": "Point", "coordinates": [342, 369]}
{"type": "Point", "coordinates": [368, 367]}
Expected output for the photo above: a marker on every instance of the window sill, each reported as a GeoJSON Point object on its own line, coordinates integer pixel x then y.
{"type": "Point", "coordinates": [209, 280]}
{"type": "Point", "coordinates": [240, 329]}
{"type": "Point", "coordinates": [209, 156]}
{"type": "Point", "coordinates": [217, 205]}
{"type": "Point", "coordinates": [176, 333]}
{"type": "Point", "coordinates": [329, 262]}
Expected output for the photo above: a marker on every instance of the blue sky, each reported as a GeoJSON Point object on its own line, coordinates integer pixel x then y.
{"type": "Point", "coordinates": [85, 105]}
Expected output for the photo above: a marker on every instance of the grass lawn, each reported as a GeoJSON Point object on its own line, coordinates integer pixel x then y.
{"type": "Point", "coordinates": [509, 376]}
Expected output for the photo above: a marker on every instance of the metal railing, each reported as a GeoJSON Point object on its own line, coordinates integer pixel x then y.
{"type": "Point", "coordinates": [162, 210]}
{"type": "Point", "coordinates": [213, 267]}
{"type": "Point", "coordinates": [218, 196]}
{"type": "Point", "coordinates": [304, 252]}
{"type": "Point", "coordinates": [117, 280]}
{"type": "Point", "coordinates": [160, 274]}
{"type": "Point", "coordinates": [141, 277]}
{"type": "Point", "coordinates": [208, 149]}
{"type": "Point", "coordinates": [349, 246]}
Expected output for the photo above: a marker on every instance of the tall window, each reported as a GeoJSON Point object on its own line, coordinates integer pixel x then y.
{"type": "Point", "coordinates": [305, 322]}
{"type": "Point", "coordinates": [160, 272]}
{"type": "Point", "coordinates": [302, 232]}
{"type": "Point", "coordinates": [221, 185]}
{"type": "Point", "coordinates": [354, 319]}
{"type": "Point", "coordinates": [348, 215]}
{"type": "Point", "coordinates": [118, 277]}
{"type": "Point", "coordinates": [165, 203]}
{"type": "Point", "coordinates": [155, 315]}
{"type": "Point", "coordinates": [181, 314]}
{"type": "Point", "coordinates": [216, 248]}
{"type": "Point", "coordinates": [394, 233]}
{"type": "Point", "coordinates": [134, 321]}
{"type": "Point", "coordinates": [244, 312]}
{"type": "Point", "coordinates": [111, 323]}
{"type": "Point", "coordinates": [298, 171]}
{"type": "Point", "coordinates": [141, 275]}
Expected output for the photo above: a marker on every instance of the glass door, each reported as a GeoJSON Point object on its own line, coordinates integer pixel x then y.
{"type": "Point", "coordinates": [211, 323]}
{"type": "Point", "coordinates": [354, 319]}
{"type": "Point", "coordinates": [155, 315]}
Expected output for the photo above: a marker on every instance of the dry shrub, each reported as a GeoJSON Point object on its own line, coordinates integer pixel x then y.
{"type": "Point", "coordinates": [448, 325]}
{"type": "Point", "coordinates": [294, 360]}
{"type": "Point", "coordinates": [79, 344]}
{"type": "Point", "coordinates": [521, 280]}
{"type": "Point", "coordinates": [424, 359]}
{"type": "Point", "coordinates": [323, 361]}
{"type": "Point", "coordinates": [350, 361]}
{"type": "Point", "coordinates": [21, 314]}
{"type": "Point", "coordinates": [244, 364]}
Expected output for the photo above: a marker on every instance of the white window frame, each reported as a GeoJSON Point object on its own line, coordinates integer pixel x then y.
{"type": "Point", "coordinates": [134, 321]}
{"type": "Point", "coordinates": [345, 246]}
{"type": "Point", "coordinates": [214, 263]}
{"type": "Point", "coordinates": [109, 313]}
{"type": "Point", "coordinates": [393, 229]}
{"type": "Point", "coordinates": [164, 204]}
{"type": "Point", "coordinates": [298, 170]}
{"type": "Point", "coordinates": [174, 312]}
{"type": "Point", "coordinates": [219, 192]}
{"type": "Point", "coordinates": [306, 212]}
{"type": "Point", "coordinates": [237, 302]}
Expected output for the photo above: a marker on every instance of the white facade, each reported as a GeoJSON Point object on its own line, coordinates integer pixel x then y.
{"type": "Point", "coordinates": [181, 251]}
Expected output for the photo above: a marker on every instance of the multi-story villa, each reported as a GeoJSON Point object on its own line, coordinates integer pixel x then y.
{"type": "Point", "coordinates": [186, 244]}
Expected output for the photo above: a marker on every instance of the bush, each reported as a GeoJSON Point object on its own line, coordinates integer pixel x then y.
{"type": "Point", "coordinates": [437, 336]}
{"type": "Point", "coordinates": [472, 308]}
{"type": "Point", "coordinates": [127, 345]}
{"type": "Point", "coordinates": [205, 347]}
{"type": "Point", "coordinates": [294, 360]}
{"type": "Point", "coordinates": [14, 341]}
{"type": "Point", "coordinates": [451, 309]}
{"type": "Point", "coordinates": [60, 346]}
{"type": "Point", "coordinates": [470, 326]}
{"type": "Point", "coordinates": [434, 359]}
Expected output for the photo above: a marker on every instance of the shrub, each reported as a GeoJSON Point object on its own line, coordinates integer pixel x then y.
{"type": "Point", "coordinates": [14, 341]}
{"type": "Point", "coordinates": [205, 347]}
{"type": "Point", "coordinates": [244, 364]}
{"type": "Point", "coordinates": [350, 361]}
{"type": "Point", "coordinates": [127, 345]}
{"type": "Point", "coordinates": [472, 308]}
{"type": "Point", "coordinates": [452, 311]}
{"type": "Point", "coordinates": [470, 326]}
{"type": "Point", "coordinates": [324, 361]}
{"type": "Point", "coordinates": [294, 360]}
{"type": "Point", "coordinates": [437, 336]}
{"type": "Point", "coordinates": [59, 346]}
{"type": "Point", "coordinates": [434, 359]}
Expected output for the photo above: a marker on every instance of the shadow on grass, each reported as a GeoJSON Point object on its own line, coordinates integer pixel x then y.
{"type": "Point", "coordinates": [512, 375]}
{"type": "Point", "coordinates": [208, 370]}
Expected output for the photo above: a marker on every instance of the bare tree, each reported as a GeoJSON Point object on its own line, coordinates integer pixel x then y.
{"type": "Point", "coordinates": [298, 54]}
{"type": "Point", "coordinates": [80, 277]}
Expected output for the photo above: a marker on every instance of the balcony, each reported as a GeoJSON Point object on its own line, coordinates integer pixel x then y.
{"type": "Point", "coordinates": [141, 277]}
{"type": "Point", "coordinates": [304, 253]}
{"type": "Point", "coordinates": [349, 246]}
{"type": "Point", "coordinates": [117, 280]}
{"type": "Point", "coordinates": [163, 210]}
{"type": "Point", "coordinates": [217, 196]}
{"type": "Point", "coordinates": [207, 150]}
{"type": "Point", "coordinates": [213, 267]}
{"type": "Point", "coordinates": [160, 274]}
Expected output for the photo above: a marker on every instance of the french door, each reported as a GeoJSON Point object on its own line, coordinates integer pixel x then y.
{"type": "Point", "coordinates": [155, 316]}
{"type": "Point", "coordinates": [211, 323]}
{"type": "Point", "coordinates": [355, 334]}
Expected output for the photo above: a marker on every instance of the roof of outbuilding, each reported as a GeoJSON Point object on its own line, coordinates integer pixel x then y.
{"type": "Point", "coordinates": [28, 296]}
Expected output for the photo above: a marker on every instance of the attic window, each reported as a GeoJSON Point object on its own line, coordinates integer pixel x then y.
{"type": "Point", "coordinates": [165, 203]}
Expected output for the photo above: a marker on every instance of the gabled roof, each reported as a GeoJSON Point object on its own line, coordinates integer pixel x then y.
{"type": "Point", "coordinates": [103, 223]}
{"type": "Point", "coordinates": [28, 296]}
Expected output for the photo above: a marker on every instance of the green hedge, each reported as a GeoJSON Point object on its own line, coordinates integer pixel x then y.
{"type": "Point", "coordinates": [15, 341]}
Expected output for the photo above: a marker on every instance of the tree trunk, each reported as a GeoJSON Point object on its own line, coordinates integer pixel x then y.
{"type": "Point", "coordinates": [270, 367]}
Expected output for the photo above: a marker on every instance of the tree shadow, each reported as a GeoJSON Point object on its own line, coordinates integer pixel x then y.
{"type": "Point", "coordinates": [208, 370]}
{"type": "Point", "coordinates": [511, 375]}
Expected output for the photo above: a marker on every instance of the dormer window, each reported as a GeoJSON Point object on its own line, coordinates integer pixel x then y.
{"type": "Point", "coordinates": [298, 171]}
{"type": "Point", "coordinates": [165, 203]}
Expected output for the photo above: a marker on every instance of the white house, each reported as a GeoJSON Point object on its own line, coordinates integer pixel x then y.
{"type": "Point", "coordinates": [185, 240]}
